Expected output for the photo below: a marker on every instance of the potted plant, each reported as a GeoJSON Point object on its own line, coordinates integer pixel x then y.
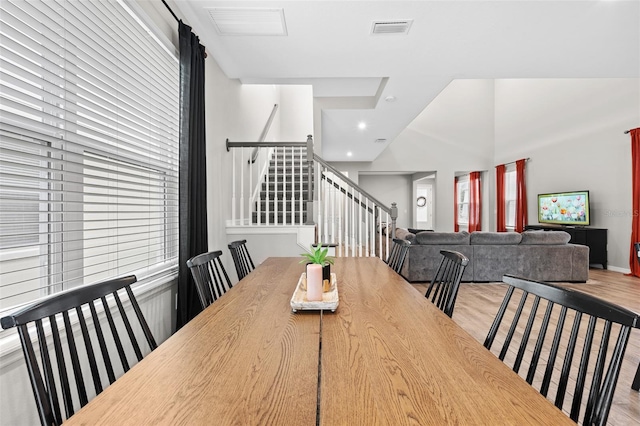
{"type": "Point", "coordinates": [318, 256]}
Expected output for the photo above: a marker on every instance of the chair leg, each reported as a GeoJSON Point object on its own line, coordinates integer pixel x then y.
{"type": "Point", "coordinates": [636, 381]}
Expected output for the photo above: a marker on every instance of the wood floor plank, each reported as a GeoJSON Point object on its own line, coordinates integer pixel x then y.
{"type": "Point", "coordinates": [478, 303]}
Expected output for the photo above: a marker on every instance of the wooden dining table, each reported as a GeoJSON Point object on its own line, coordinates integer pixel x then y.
{"type": "Point", "coordinates": [386, 356]}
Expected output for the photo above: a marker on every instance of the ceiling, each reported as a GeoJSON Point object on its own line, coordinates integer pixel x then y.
{"type": "Point", "coordinates": [329, 45]}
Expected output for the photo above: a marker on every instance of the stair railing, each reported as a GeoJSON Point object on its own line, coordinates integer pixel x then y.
{"type": "Point", "coordinates": [349, 217]}
{"type": "Point", "coordinates": [276, 171]}
{"type": "Point", "coordinates": [281, 180]}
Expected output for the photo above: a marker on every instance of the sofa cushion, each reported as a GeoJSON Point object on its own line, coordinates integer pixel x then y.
{"type": "Point", "coordinates": [415, 231]}
{"type": "Point", "coordinates": [442, 238]}
{"type": "Point", "coordinates": [404, 234]}
{"type": "Point", "coordinates": [545, 237]}
{"type": "Point", "coordinates": [495, 238]}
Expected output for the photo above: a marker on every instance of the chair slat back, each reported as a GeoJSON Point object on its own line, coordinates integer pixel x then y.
{"type": "Point", "coordinates": [443, 289]}
{"type": "Point", "coordinates": [60, 363]}
{"type": "Point", "coordinates": [398, 254]}
{"type": "Point", "coordinates": [210, 276]}
{"type": "Point", "coordinates": [241, 258]}
{"type": "Point", "coordinates": [573, 346]}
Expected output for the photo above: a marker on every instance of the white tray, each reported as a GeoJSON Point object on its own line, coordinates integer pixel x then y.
{"type": "Point", "coordinates": [329, 301]}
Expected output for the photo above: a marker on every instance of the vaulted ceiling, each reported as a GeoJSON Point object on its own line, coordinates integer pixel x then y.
{"type": "Point", "coordinates": [385, 80]}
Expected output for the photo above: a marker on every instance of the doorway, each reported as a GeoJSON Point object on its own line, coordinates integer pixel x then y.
{"type": "Point", "coordinates": [424, 204]}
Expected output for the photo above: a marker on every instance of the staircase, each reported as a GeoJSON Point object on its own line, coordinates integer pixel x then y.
{"type": "Point", "coordinates": [284, 189]}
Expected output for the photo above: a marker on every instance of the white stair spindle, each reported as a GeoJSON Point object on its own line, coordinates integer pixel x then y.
{"type": "Point", "coordinates": [300, 197]}
{"type": "Point", "coordinates": [249, 200]}
{"type": "Point", "coordinates": [242, 168]}
{"type": "Point", "coordinates": [259, 194]}
{"type": "Point", "coordinates": [359, 225]}
{"type": "Point", "coordinates": [386, 231]}
{"type": "Point", "coordinates": [379, 232]}
{"type": "Point", "coordinates": [366, 227]}
{"type": "Point", "coordinates": [233, 187]}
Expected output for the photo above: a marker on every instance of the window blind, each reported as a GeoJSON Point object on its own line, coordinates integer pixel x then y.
{"type": "Point", "coordinates": [510, 197]}
{"type": "Point", "coordinates": [89, 147]}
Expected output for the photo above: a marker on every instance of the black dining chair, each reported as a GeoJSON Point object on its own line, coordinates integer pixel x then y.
{"type": "Point", "coordinates": [61, 357]}
{"type": "Point", "coordinates": [399, 250]}
{"type": "Point", "coordinates": [443, 289]}
{"type": "Point", "coordinates": [210, 276]}
{"type": "Point", "coordinates": [539, 341]}
{"type": "Point", "coordinates": [241, 258]}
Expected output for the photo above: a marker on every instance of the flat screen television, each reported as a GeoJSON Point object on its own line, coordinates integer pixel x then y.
{"type": "Point", "coordinates": [564, 208]}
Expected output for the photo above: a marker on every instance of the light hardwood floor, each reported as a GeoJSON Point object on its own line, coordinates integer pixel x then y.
{"type": "Point", "coordinates": [477, 305]}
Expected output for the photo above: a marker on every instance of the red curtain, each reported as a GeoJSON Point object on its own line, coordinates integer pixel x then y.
{"type": "Point", "coordinates": [635, 203]}
{"type": "Point", "coordinates": [501, 225]}
{"type": "Point", "coordinates": [521, 197]}
{"type": "Point", "coordinates": [456, 227]}
{"type": "Point", "coordinates": [475, 202]}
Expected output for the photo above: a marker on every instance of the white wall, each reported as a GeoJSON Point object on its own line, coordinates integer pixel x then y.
{"type": "Point", "coordinates": [572, 129]}
{"type": "Point", "coordinates": [455, 134]}
{"type": "Point", "coordinates": [295, 113]}
{"type": "Point", "coordinates": [392, 188]}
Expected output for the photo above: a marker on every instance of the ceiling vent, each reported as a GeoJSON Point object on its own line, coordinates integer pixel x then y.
{"type": "Point", "coordinates": [380, 141]}
{"type": "Point", "coordinates": [391, 27]}
{"type": "Point", "coordinates": [248, 21]}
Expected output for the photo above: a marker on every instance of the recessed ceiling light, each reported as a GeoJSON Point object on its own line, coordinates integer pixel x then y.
{"type": "Point", "coordinates": [390, 98]}
{"type": "Point", "coordinates": [349, 154]}
{"type": "Point", "coordinates": [362, 125]}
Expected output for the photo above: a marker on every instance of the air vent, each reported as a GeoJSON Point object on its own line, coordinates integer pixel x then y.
{"type": "Point", "coordinates": [391, 27]}
{"type": "Point", "coordinates": [380, 141]}
{"type": "Point", "coordinates": [251, 21]}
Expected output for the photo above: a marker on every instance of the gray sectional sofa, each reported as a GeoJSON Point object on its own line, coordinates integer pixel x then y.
{"type": "Point", "coordinates": [539, 255]}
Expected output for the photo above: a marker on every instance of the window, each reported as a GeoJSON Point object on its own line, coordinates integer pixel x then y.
{"type": "Point", "coordinates": [510, 197]}
{"type": "Point", "coordinates": [463, 200]}
{"type": "Point", "coordinates": [89, 147]}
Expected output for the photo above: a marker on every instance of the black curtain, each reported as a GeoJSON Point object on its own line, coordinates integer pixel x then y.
{"type": "Point", "coordinates": [193, 170]}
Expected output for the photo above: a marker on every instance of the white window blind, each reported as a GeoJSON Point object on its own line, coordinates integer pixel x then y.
{"type": "Point", "coordinates": [89, 147]}
{"type": "Point", "coordinates": [510, 198]}
{"type": "Point", "coordinates": [463, 200]}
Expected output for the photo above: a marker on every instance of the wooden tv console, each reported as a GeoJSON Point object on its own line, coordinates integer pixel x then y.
{"type": "Point", "coordinates": [594, 238]}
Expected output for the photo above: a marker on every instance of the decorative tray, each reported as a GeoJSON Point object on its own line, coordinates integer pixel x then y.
{"type": "Point", "coordinates": [329, 301]}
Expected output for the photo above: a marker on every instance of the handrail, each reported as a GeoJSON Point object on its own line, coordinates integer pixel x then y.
{"type": "Point", "coordinates": [319, 159]}
{"type": "Point", "coordinates": [263, 135]}
{"type": "Point", "coordinates": [346, 194]}
{"type": "Point", "coordinates": [230, 144]}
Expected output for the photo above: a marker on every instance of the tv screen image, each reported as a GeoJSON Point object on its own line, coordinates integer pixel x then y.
{"type": "Point", "coordinates": [564, 208]}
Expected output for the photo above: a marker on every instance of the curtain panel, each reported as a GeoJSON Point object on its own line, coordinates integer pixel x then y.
{"type": "Point", "coordinates": [634, 265]}
{"type": "Point", "coordinates": [521, 196]}
{"type": "Point", "coordinates": [475, 202]}
{"type": "Point", "coordinates": [193, 176]}
{"type": "Point", "coordinates": [501, 225]}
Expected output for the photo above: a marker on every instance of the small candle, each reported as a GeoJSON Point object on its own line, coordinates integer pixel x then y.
{"type": "Point", "coordinates": [314, 282]}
